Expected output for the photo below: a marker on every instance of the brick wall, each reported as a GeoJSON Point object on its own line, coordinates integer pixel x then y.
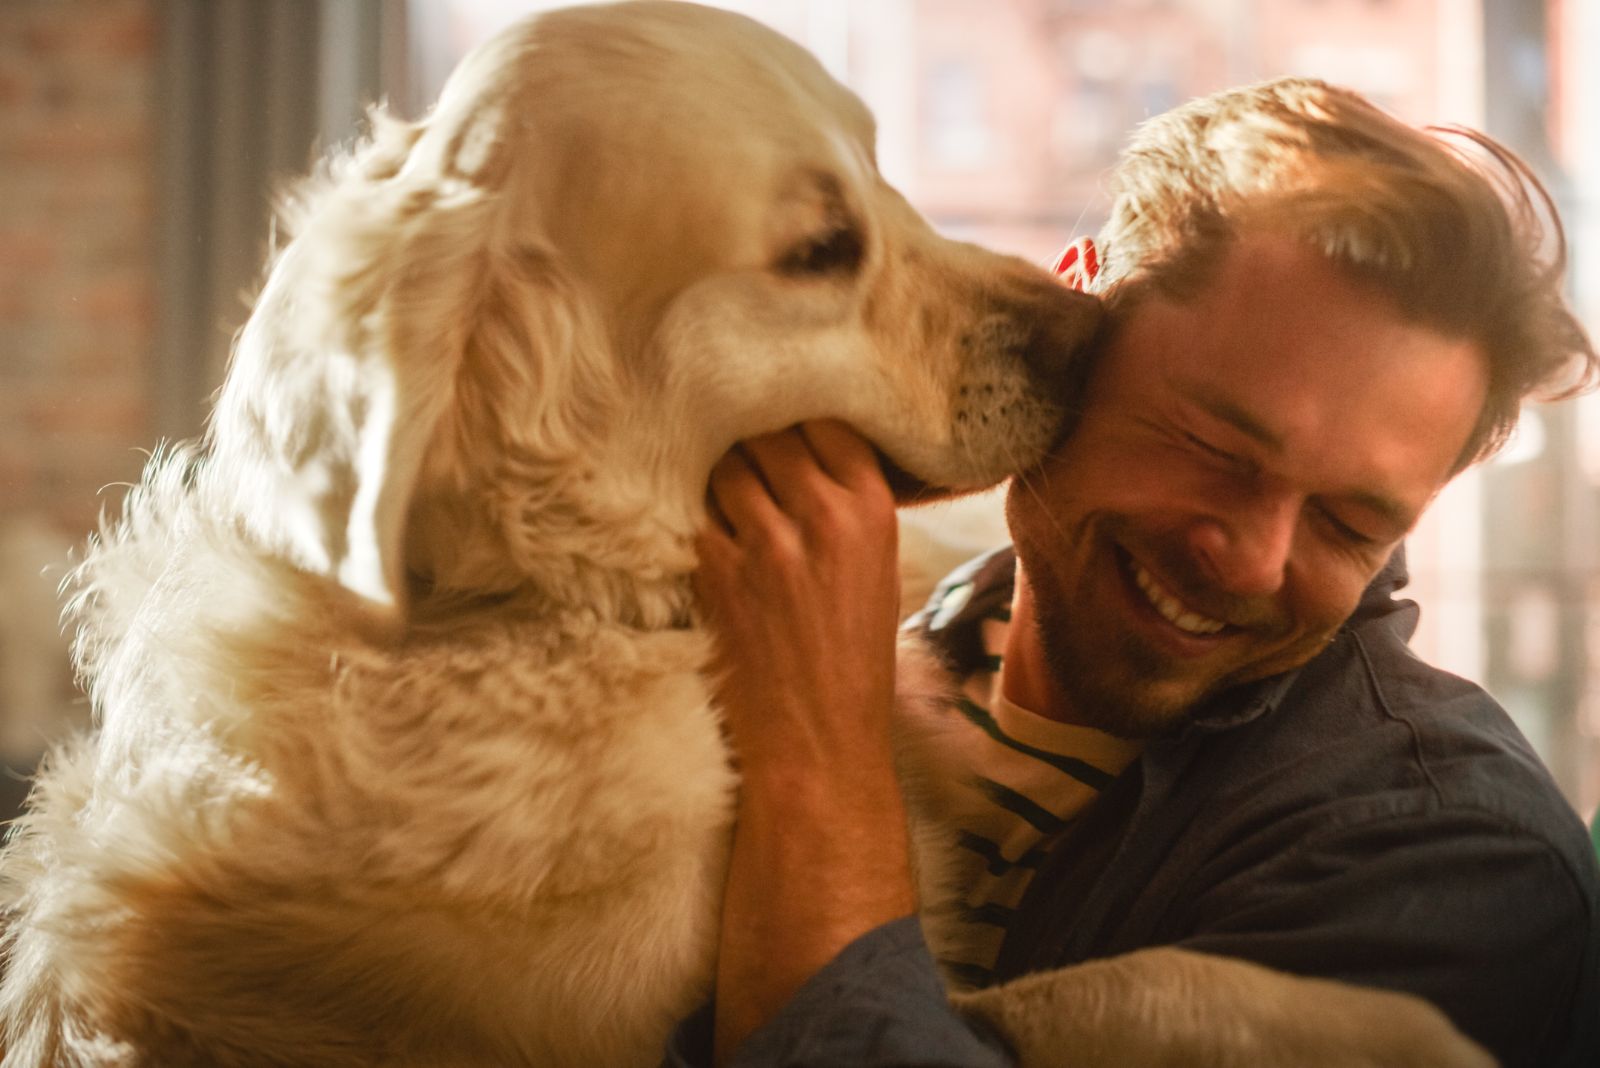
{"type": "Point", "coordinates": [77, 263]}
{"type": "Point", "coordinates": [77, 320]}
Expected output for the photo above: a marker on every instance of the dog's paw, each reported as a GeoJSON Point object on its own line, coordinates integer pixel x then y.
{"type": "Point", "coordinates": [1171, 1006]}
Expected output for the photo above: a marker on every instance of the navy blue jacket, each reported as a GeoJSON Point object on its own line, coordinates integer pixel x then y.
{"type": "Point", "coordinates": [1366, 817]}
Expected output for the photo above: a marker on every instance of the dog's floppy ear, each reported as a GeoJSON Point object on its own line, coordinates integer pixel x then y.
{"type": "Point", "coordinates": [352, 353]}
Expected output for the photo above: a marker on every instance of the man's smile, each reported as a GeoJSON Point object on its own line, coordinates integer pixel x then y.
{"type": "Point", "coordinates": [1169, 607]}
{"type": "Point", "coordinates": [1173, 622]}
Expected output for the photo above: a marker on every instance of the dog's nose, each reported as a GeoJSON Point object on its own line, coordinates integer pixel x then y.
{"type": "Point", "coordinates": [1061, 323]}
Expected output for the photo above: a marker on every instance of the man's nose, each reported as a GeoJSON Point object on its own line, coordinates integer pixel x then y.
{"type": "Point", "coordinates": [1245, 549]}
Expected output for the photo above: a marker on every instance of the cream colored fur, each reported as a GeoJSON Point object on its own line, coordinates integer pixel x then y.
{"type": "Point", "coordinates": [1170, 1006]}
{"type": "Point", "coordinates": [406, 753]}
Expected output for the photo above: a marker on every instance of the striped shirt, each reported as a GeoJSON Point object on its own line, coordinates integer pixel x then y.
{"type": "Point", "coordinates": [1008, 782]}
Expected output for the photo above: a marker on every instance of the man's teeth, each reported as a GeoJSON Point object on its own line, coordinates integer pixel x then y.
{"type": "Point", "coordinates": [1171, 609]}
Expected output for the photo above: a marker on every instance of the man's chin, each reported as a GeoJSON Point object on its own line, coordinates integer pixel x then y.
{"type": "Point", "coordinates": [1135, 710]}
{"type": "Point", "coordinates": [1116, 686]}
{"type": "Point", "coordinates": [1144, 722]}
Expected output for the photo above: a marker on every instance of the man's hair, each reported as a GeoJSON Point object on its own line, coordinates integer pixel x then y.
{"type": "Point", "coordinates": [1450, 225]}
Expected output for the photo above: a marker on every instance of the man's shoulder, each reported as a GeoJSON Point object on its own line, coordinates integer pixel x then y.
{"type": "Point", "coordinates": [1382, 729]}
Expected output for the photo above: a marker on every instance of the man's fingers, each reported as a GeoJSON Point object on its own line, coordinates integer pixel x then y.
{"type": "Point", "coordinates": [788, 461]}
{"type": "Point", "coordinates": [740, 499]}
{"type": "Point", "coordinates": [847, 457]}
{"type": "Point", "coordinates": [784, 490]}
{"type": "Point", "coordinates": [790, 470]}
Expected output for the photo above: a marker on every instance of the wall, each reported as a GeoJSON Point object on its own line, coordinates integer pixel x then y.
{"type": "Point", "coordinates": [77, 293]}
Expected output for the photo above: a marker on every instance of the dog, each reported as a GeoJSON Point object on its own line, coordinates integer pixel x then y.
{"type": "Point", "coordinates": [407, 751]}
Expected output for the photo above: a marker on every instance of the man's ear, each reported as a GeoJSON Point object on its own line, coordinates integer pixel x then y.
{"type": "Point", "coordinates": [1077, 265]}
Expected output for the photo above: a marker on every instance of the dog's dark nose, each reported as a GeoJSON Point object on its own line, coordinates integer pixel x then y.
{"type": "Point", "coordinates": [1061, 323]}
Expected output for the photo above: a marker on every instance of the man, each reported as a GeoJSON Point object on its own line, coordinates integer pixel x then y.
{"type": "Point", "coordinates": [1318, 317]}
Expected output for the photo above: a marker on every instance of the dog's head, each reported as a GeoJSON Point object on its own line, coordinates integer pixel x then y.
{"type": "Point", "coordinates": [521, 331]}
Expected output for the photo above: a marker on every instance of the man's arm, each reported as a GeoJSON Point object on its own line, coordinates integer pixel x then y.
{"type": "Point", "coordinates": [798, 579]}
{"type": "Point", "coordinates": [880, 1002]}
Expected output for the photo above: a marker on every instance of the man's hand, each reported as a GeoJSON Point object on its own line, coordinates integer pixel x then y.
{"type": "Point", "coordinates": [798, 579]}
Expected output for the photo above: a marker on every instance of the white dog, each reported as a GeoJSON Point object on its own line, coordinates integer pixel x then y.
{"type": "Point", "coordinates": [406, 755]}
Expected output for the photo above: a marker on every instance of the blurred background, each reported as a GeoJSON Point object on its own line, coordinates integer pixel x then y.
{"type": "Point", "coordinates": [142, 143]}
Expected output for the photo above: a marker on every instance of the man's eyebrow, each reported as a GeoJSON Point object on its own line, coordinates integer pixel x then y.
{"type": "Point", "coordinates": [1239, 419]}
{"type": "Point", "coordinates": [1387, 508]}
{"type": "Point", "coordinates": [1390, 510]}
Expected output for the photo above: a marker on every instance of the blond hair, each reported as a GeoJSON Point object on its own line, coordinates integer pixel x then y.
{"type": "Point", "coordinates": [1448, 224]}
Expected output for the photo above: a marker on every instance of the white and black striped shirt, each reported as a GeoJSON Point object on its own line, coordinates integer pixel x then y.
{"type": "Point", "coordinates": [1009, 781]}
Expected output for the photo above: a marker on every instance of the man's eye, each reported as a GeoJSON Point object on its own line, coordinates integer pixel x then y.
{"type": "Point", "coordinates": [1345, 532]}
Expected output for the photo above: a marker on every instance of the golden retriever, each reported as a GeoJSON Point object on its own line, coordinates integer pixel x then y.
{"type": "Point", "coordinates": [406, 753]}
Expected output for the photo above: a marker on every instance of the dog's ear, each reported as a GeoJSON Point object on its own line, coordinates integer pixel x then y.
{"type": "Point", "coordinates": [353, 351]}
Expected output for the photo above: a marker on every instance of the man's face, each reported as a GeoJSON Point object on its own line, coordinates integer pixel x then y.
{"type": "Point", "coordinates": [1245, 463]}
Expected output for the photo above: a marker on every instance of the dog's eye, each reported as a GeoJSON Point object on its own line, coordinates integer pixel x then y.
{"type": "Point", "coordinates": [836, 251]}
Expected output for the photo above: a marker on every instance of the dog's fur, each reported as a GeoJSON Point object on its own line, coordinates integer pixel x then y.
{"type": "Point", "coordinates": [407, 754]}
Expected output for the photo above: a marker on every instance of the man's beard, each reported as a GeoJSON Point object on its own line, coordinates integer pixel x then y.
{"type": "Point", "coordinates": [1121, 691]}
{"type": "Point", "coordinates": [1114, 681]}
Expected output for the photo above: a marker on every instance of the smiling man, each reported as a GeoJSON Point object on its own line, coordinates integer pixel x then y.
{"type": "Point", "coordinates": [1224, 501]}
{"type": "Point", "coordinates": [1186, 715]}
